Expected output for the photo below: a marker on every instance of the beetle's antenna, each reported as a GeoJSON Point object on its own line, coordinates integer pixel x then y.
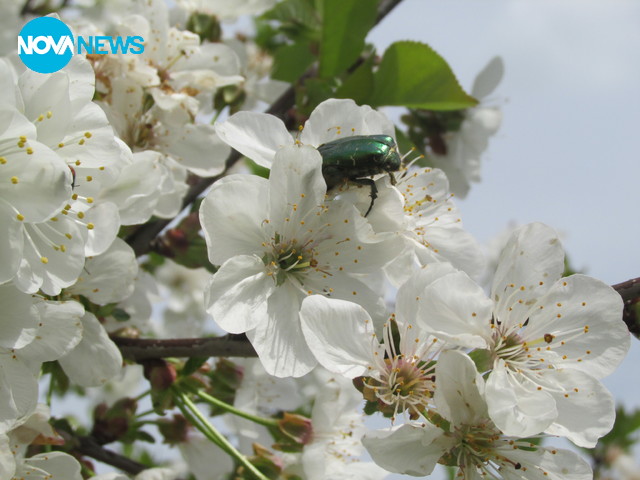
{"type": "Point", "coordinates": [403, 158]}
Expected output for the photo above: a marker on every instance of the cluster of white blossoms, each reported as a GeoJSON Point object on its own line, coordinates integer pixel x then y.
{"type": "Point", "coordinates": [465, 378]}
{"type": "Point", "coordinates": [106, 142]}
{"type": "Point", "coordinates": [303, 268]}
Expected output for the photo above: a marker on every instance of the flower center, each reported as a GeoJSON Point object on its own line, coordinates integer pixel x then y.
{"type": "Point", "coordinates": [287, 258]}
{"type": "Point", "coordinates": [401, 381]}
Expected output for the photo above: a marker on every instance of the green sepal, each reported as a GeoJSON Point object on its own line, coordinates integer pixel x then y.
{"type": "Point", "coordinates": [483, 360]}
{"type": "Point", "coordinates": [192, 365]}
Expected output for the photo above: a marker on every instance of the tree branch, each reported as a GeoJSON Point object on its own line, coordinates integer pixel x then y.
{"type": "Point", "coordinates": [90, 447]}
{"type": "Point", "coordinates": [227, 346]}
{"type": "Point", "coordinates": [630, 293]}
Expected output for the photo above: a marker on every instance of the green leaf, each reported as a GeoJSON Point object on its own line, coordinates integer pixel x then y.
{"type": "Point", "coordinates": [359, 85]}
{"type": "Point", "coordinates": [294, 13]}
{"type": "Point", "coordinates": [345, 26]}
{"type": "Point", "coordinates": [291, 61]}
{"type": "Point", "coordinates": [192, 365]}
{"type": "Point", "coordinates": [413, 75]}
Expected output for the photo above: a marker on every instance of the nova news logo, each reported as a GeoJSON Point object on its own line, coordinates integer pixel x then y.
{"type": "Point", "coordinates": [46, 44]}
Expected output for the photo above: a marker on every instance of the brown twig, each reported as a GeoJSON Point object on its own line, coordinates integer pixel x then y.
{"type": "Point", "coordinates": [90, 447]}
{"type": "Point", "coordinates": [630, 293]}
{"type": "Point", "coordinates": [227, 346]}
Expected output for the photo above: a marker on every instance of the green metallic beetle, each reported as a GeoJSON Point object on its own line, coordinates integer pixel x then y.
{"type": "Point", "coordinates": [357, 156]}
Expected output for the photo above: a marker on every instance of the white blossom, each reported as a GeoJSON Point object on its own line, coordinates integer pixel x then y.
{"type": "Point", "coordinates": [398, 371]}
{"type": "Point", "coordinates": [548, 339]}
{"type": "Point", "coordinates": [258, 135]}
{"type": "Point", "coordinates": [33, 331]}
{"type": "Point", "coordinates": [461, 162]}
{"type": "Point", "coordinates": [278, 241]}
{"type": "Point", "coordinates": [469, 441]}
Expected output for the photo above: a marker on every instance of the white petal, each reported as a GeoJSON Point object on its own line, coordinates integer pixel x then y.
{"type": "Point", "coordinates": [340, 335]}
{"type": "Point", "coordinates": [337, 118]}
{"type": "Point", "coordinates": [198, 148]}
{"type": "Point", "coordinates": [530, 263]}
{"type": "Point", "coordinates": [240, 203]}
{"type": "Point", "coordinates": [103, 223]}
{"type": "Point", "coordinates": [454, 308]}
{"type": "Point", "coordinates": [409, 449]}
{"type": "Point", "coordinates": [59, 330]}
{"type": "Point", "coordinates": [108, 278]}
{"type": "Point", "coordinates": [58, 465]}
{"type": "Point", "coordinates": [19, 317]}
{"type": "Point", "coordinates": [7, 459]}
{"type": "Point", "coordinates": [410, 293]}
{"type": "Point", "coordinates": [61, 266]}
{"type": "Point", "coordinates": [547, 464]}
{"type": "Point", "coordinates": [96, 359]}
{"type": "Point", "coordinates": [488, 79]}
{"type": "Point", "coordinates": [515, 410]}
{"type": "Point", "coordinates": [296, 188]}
{"type": "Point", "coordinates": [279, 341]}
{"type": "Point", "coordinates": [582, 304]}
{"type": "Point", "coordinates": [237, 295]}
{"type": "Point", "coordinates": [256, 135]}
{"type": "Point", "coordinates": [586, 411]}
{"type": "Point", "coordinates": [11, 244]}
{"type": "Point", "coordinates": [18, 390]}
{"type": "Point", "coordinates": [459, 389]}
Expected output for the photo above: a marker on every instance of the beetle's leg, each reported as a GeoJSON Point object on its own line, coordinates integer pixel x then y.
{"type": "Point", "coordinates": [393, 179]}
{"type": "Point", "coordinates": [374, 190]}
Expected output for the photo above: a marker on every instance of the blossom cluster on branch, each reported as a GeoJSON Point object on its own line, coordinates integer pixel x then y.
{"type": "Point", "coordinates": [337, 256]}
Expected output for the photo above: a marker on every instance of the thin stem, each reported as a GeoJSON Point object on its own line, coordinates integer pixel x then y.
{"type": "Point", "coordinates": [188, 407]}
{"type": "Point", "coordinates": [52, 382]}
{"type": "Point", "coordinates": [142, 395]}
{"type": "Point", "coordinates": [267, 422]}
{"type": "Point", "coordinates": [145, 413]}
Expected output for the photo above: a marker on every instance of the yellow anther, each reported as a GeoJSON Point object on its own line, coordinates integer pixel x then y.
{"type": "Point", "coordinates": [87, 134]}
{"type": "Point", "coordinates": [68, 235]}
{"type": "Point", "coordinates": [14, 180]}
{"type": "Point", "coordinates": [29, 150]}
{"type": "Point", "coordinates": [60, 145]}
{"type": "Point", "coordinates": [3, 160]}
{"type": "Point", "coordinates": [74, 196]}
{"type": "Point", "coordinates": [90, 226]}
{"type": "Point", "coordinates": [89, 199]}
{"type": "Point", "coordinates": [23, 139]}
{"type": "Point", "coordinates": [80, 215]}
{"type": "Point", "coordinates": [40, 117]}
{"type": "Point", "coordinates": [44, 260]}
{"type": "Point", "coordinates": [89, 178]}
{"type": "Point", "coordinates": [20, 217]}
{"type": "Point", "coordinates": [49, 114]}
{"type": "Point", "coordinates": [81, 142]}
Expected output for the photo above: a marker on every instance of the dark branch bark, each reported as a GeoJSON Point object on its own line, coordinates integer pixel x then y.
{"type": "Point", "coordinates": [90, 447]}
{"type": "Point", "coordinates": [630, 293]}
{"type": "Point", "coordinates": [227, 346]}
